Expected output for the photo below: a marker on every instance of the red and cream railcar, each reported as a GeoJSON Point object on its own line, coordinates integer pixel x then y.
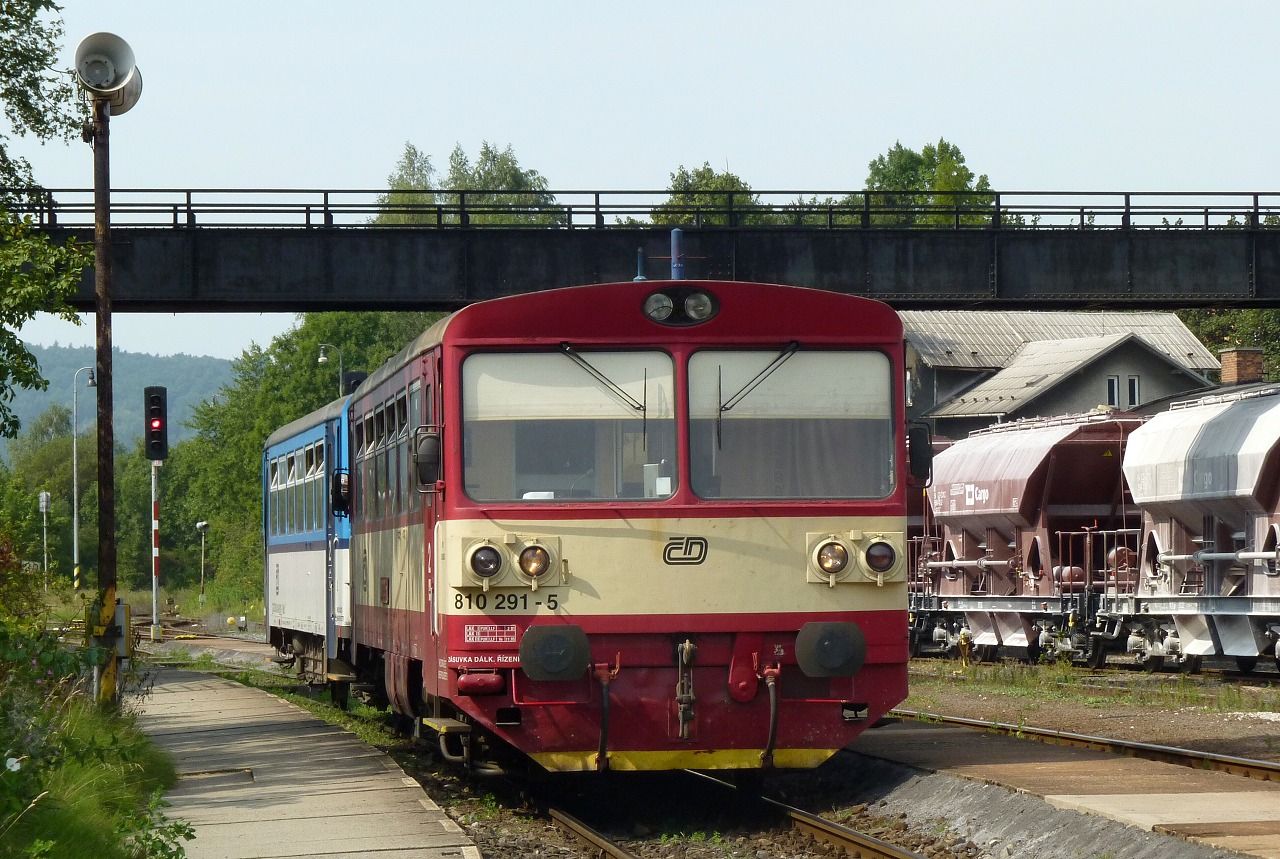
{"type": "Point", "coordinates": [638, 526]}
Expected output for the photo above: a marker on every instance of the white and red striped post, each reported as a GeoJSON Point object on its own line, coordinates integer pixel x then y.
{"type": "Point", "coordinates": [155, 554]}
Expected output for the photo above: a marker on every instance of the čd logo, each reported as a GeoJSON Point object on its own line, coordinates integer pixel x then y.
{"type": "Point", "coordinates": [685, 550]}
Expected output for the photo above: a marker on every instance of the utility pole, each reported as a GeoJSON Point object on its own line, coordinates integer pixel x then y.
{"type": "Point", "coordinates": [106, 71]}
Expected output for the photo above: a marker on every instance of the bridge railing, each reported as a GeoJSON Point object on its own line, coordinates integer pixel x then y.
{"type": "Point", "coordinates": [806, 210]}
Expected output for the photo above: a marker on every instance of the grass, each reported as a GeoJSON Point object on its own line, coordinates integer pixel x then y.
{"type": "Point", "coordinates": [94, 797]}
{"type": "Point", "coordinates": [1030, 684]}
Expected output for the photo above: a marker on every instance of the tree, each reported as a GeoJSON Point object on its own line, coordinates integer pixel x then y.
{"type": "Point", "coordinates": [41, 458]}
{"type": "Point", "coordinates": [704, 197]}
{"type": "Point", "coordinates": [494, 180]}
{"type": "Point", "coordinates": [35, 274]}
{"type": "Point", "coordinates": [1221, 328]}
{"type": "Point", "coordinates": [409, 190]}
{"type": "Point", "coordinates": [932, 187]}
{"type": "Point", "coordinates": [216, 477]}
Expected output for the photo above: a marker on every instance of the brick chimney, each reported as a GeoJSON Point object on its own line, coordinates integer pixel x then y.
{"type": "Point", "coordinates": [1241, 365]}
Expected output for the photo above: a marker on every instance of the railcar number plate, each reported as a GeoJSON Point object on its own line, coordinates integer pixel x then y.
{"type": "Point", "coordinates": [505, 602]}
{"type": "Point", "coordinates": [489, 633]}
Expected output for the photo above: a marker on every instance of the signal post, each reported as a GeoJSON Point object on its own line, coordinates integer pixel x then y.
{"type": "Point", "coordinates": [157, 445]}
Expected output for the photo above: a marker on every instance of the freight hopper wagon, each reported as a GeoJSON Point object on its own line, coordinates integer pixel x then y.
{"type": "Point", "coordinates": [1033, 528]}
{"type": "Point", "coordinates": [637, 526]}
{"type": "Point", "coordinates": [1206, 474]}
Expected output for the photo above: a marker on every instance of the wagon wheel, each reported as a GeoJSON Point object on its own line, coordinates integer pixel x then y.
{"type": "Point", "coordinates": [986, 652]}
{"type": "Point", "coordinates": [340, 693]}
{"type": "Point", "coordinates": [1189, 664]}
{"type": "Point", "coordinates": [1096, 656]}
{"type": "Point", "coordinates": [1246, 664]}
{"type": "Point", "coordinates": [1034, 651]}
{"type": "Point", "coordinates": [1149, 663]}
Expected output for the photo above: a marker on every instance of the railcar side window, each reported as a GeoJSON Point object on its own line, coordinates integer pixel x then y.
{"type": "Point", "coordinates": [379, 459]}
{"type": "Point", "coordinates": [308, 503]}
{"type": "Point", "coordinates": [274, 495]}
{"type": "Point", "coordinates": [414, 420]}
{"type": "Point", "coordinates": [590, 426]}
{"type": "Point", "coordinates": [289, 495]}
{"type": "Point", "coordinates": [791, 424]}
{"type": "Point", "coordinates": [318, 489]}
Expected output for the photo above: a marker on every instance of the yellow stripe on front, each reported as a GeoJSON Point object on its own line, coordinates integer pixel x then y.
{"type": "Point", "coordinates": [714, 759]}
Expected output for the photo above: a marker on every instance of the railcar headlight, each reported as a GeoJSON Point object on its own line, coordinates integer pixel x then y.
{"type": "Point", "coordinates": [698, 306]}
{"type": "Point", "coordinates": [832, 558]}
{"type": "Point", "coordinates": [881, 556]}
{"type": "Point", "coordinates": [534, 561]}
{"type": "Point", "coordinates": [658, 307]}
{"type": "Point", "coordinates": [486, 562]}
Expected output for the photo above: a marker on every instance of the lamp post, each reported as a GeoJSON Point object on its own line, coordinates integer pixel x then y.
{"type": "Point", "coordinates": [203, 528]}
{"type": "Point", "coordinates": [324, 359]}
{"type": "Point", "coordinates": [75, 473]}
{"type": "Point", "coordinates": [45, 499]}
{"type": "Point", "coordinates": [106, 72]}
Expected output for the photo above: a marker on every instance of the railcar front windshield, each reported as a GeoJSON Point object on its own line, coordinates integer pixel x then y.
{"type": "Point", "coordinates": [590, 426]}
{"type": "Point", "coordinates": [791, 424]}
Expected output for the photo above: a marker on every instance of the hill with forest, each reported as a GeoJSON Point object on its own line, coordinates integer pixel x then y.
{"type": "Point", "coordinates": [190, 381]}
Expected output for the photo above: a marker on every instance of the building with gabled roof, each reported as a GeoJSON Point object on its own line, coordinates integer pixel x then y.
{"type": "Point", "coordinates": [971, 369]}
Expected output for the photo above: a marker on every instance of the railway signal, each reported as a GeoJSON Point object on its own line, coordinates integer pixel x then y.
{"type": "Point", "coordinates": [157, 426]}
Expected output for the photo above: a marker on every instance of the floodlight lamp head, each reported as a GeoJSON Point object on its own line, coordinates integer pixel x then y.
{"type": "Point", "coordinates": [93, 380]}
{"type": "Point", "coordinates": [106, 69]}
{"type": "Point", "coordinates": [324, 356]}
{"type": "Point", "coordinates": [202, 527]}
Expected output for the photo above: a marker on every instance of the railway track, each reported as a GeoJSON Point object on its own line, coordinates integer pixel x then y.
{"type": "Point", "coordinates": [594, 839]}
{"type": "Point", "coordinates": [1247, 767]}
{"type": "Point", "coordinates": [854, 843]}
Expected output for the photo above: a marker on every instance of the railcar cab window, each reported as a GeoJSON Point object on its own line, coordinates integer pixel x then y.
{"type": "Point", "coordinates": [791, 423]}
{"type": "Point", "coordinates": [583, 425]}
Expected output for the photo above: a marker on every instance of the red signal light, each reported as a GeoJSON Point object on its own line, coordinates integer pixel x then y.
{"type": "Point", "coordinates": [155, 423]}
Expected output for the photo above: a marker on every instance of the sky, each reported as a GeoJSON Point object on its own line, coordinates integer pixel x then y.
{"type": "Point", "coordinates": [1084, 96]}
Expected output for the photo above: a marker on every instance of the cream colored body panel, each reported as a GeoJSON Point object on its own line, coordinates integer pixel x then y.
{"type": "Point", "coordinates": [675, 566]}
{"type": "Point", "coordinates": [395, 555]}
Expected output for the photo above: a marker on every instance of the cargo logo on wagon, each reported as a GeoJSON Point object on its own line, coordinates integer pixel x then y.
{"type": "Point", "coordinates": [973, 494]}
{"type": "Point", "coordinates": [685, 551]}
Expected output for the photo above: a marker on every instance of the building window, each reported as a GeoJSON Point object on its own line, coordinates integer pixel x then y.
{"type": "Point", "coordinates": [1113, 391]}
{"type": "Point", "coordinates": [1134, 393]}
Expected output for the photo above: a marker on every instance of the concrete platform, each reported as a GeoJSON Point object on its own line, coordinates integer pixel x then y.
{"type": "Point", "coordinates": [262, 779]}
{"type": "Point", "coordinates": [1214, 808]}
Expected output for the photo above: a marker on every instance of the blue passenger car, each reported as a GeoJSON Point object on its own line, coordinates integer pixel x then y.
{"type": "Point", "coordinates": [305, 501]}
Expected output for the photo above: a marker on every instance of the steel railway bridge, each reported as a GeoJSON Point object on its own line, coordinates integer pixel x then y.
{"type": "Point", "coordinates": [253, 249]}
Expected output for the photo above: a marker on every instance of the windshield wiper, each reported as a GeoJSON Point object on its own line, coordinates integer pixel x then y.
{"type": "Point", "coordinates": [611, 385]}
{"type": "Point", "coordinates": [725, 405]}
{"type": "Point", "coordinates": [616, 390]}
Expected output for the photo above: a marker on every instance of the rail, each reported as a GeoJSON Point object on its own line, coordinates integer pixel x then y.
{"type": "Point", "coordinates": [603, 847]}
{"type": "Point", "coordinates": [576, 209]}
{"type": "Point", "coordinates": [850, 841]}
{"type": "Point", "coordinates": [1247, 767]}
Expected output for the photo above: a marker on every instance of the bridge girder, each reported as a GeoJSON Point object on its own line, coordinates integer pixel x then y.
{"type": "Point", "coordinates": [349, 268]}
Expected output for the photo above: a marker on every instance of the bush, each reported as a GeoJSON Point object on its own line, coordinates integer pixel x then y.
{"type": "Point", "coordinates": [75, 780]}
